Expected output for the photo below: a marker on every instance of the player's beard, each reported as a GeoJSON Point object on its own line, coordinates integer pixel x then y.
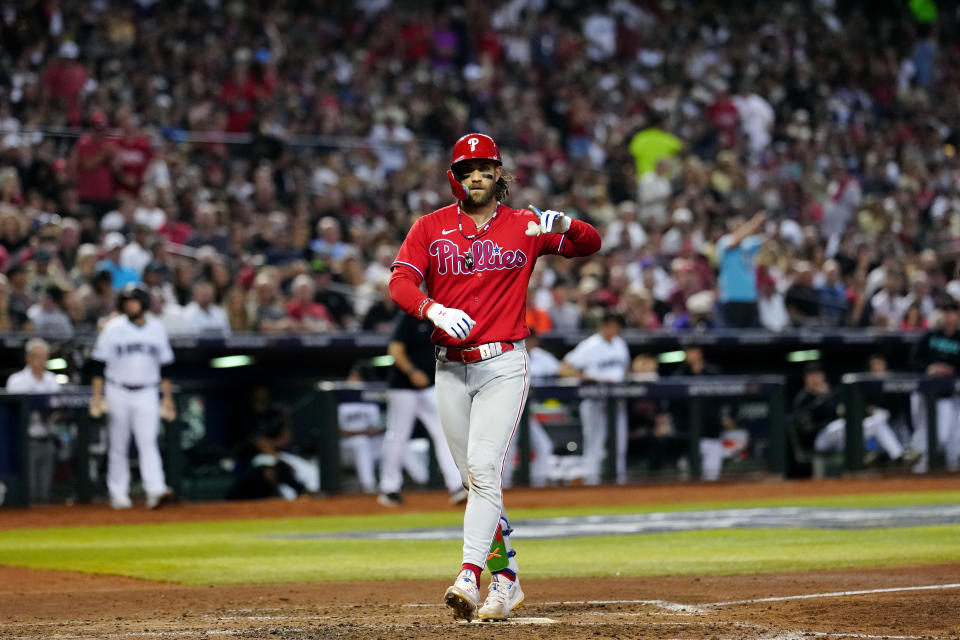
{"type": "Point", "coordinates": [480, 197]}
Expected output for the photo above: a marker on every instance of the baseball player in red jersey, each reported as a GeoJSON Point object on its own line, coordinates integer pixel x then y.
{"type": "Point", "coordinates": [475, 258]}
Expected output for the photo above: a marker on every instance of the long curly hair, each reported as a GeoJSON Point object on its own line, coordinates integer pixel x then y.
{"type": "Point", "coordinates": [501, 190]}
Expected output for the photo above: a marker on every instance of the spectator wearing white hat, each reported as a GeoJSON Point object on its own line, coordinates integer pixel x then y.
{"type": "Point", "coordinates": [84, 266]}
{"type": "Point", "coordinates": [700, 312]}
{"type": "Point", "coordinates": [625, 232]}
{"type": "Point", "coordinates": [113, 244]}
{"type": "Point", "coordinates": [653, 191]}
{"type": "Point", "coordinates": [683, 237]}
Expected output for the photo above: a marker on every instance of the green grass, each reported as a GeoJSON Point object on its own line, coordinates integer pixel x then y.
{"type": "Point", "coordinates": [231, 552]}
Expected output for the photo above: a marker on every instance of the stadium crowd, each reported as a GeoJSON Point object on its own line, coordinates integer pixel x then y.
{"type": "Point", "coordinates": [257, 164]}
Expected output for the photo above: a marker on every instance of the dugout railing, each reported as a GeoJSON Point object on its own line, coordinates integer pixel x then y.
{"type": "Point", "coordinates": [859, 387]}
{"type": "Point", "coordinates": [691, 389]}
{"type": "Point", "coordinates": [72, 404]}
{"type": "Point", "coordinates": [319, 412]}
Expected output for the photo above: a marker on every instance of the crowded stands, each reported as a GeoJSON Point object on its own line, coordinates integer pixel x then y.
{"type": "Point", "coordinates": [256, 166]}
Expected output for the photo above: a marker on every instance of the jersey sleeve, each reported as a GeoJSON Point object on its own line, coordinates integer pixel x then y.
{"type": "Point", "coordinates": [413, 252]}
{"type": "Point", "coordinates": [578, 357]}
{"type": "Point", "coordinates": [101, 347]}
{"type": "Point", "coordinates": [15, 384]}
{"type": "Point", "coordinates": [579, 241]}
{"type": "Point", "coordinates": [166, 351]}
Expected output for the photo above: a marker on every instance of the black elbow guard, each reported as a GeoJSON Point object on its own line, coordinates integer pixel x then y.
{"type": "Point", "coordinates": [165, 371]}
{"type": "Point", "coordinates": [95, 367]}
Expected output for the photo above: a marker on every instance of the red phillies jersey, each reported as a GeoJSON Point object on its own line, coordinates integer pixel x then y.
{"type": "Point", "coordinates": [491, 284]}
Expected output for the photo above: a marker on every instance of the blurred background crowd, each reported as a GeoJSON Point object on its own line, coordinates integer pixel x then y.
{"type": "Point", "coordinates": [257, 164]}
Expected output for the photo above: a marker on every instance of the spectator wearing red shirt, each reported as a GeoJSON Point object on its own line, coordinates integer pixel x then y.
{"type": "Point", "coordinates": [723, 115]}
{"type": "Point", "coordinates": [303, 312]}
{"type": "Point", "coordinates": [239, 96]}
{"type": "Point", "coordinates": [63, 80]}
{"type": "Point", "coordinates": [133, 154]}
{"type": "Point", "coordinates": [174, 229]}
{"type": "Point", "coordinates": [92, 166]}
{"type": "Point", "coordinates": [247, 86]}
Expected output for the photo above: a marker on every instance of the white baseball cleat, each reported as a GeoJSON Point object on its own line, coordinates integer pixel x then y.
{"type": "Point", "coordinates": [463, 595]}
{"type": "Point", "coordinates": [503, 597]}
{"type": "Point", "coordinates": [121, 502]}
{"type": "Point", "coordinates": [157, 500]}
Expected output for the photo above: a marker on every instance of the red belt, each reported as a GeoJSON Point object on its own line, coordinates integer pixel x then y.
{"type": "Point", "coordinates": [473, 354]}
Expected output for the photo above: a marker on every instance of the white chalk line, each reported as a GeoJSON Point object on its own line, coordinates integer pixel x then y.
{"type": "Point", "coordinates": [832, 594]}
{"type": "Point", "coordinates": [676, 607]}
{"type": "Point", "coordinates": [516, 621]}
{"type": "Point", "coordinates": [786, 635]}
{"type": "Point", "coordinates": [141, 634]}
{"type": "Point", "coordinates": [799, 635]}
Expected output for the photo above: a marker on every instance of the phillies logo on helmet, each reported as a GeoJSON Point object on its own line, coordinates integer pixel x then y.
{"type": "Point", "coordinates": [475, 146]}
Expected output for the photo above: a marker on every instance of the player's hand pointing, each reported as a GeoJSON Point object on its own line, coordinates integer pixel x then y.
{"type": "Point", "coordinates": [454, 322]}
{"type": "Point", "coordinates": [550, 222]}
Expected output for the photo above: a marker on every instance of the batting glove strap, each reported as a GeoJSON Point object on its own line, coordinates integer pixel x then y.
{"type": "Point", "coordinates": [454, 322]}
{"type": "Point", "coordinates": [552, 221]}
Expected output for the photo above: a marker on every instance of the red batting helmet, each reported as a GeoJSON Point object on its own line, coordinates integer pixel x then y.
{"type": "Point", "coordinates": [475, 146]}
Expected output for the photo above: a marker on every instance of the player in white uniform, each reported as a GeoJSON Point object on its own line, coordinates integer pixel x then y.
{"type": "Point", "coordinates": [34, 378]}
{"type": "Point", "coordinates": [131, 354]}
{"type": "Point", "coordinates": [361, 433]}
{"type": "Point", "coordinates": [543, 364]}
{"type": "Point", "coordinates": [411, 396]}
{"type": "Point", "coordinates": [602, 357]}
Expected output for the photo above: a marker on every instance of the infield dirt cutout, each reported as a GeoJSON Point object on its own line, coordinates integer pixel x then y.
{"type": "Point", "coordinates": [53, 604]}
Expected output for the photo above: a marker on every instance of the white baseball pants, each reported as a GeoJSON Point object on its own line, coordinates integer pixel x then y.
{"type": "Point", "coordinates": [363, 453]}
{"type": "Point", "coordinates": [480, 407]}
{"type": "Point", "coordinates": [404, 407]}
{"type": "Point", "coordinates": [833, 437]}
{"type": "Point", "coordinates": [593, 419]}
{"type": "Point", "coordinates": [136, 414]}
{"type": "Point", "coordinates": [541, 448]}
{"type": "Point", "coordinates": [948, 429]}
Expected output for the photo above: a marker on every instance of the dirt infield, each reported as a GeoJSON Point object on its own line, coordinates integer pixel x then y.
{"type": "Point", "coordinates": [50, 604]}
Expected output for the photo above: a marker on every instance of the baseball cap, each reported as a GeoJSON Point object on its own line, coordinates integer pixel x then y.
{"type": "Point", "coordinates": [701, 302]}
{"type": "Point", "coordinates": [682, 215]}
{"type": "Point", "coordinates": [86, 249]}
{"type": "Point", "coordinates": [114, 240]}
{"type": "Point", "coordinates": [69, 49]}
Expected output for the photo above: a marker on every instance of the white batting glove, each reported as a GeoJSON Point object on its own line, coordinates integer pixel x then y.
{"type": "Point", "coordinates": [550, 222]}
{"type": "Point", "coordinates": [454, 322]}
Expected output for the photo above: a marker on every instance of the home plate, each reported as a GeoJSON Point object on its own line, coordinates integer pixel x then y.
{"type": "Point", "coordinates": [516, 621]}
